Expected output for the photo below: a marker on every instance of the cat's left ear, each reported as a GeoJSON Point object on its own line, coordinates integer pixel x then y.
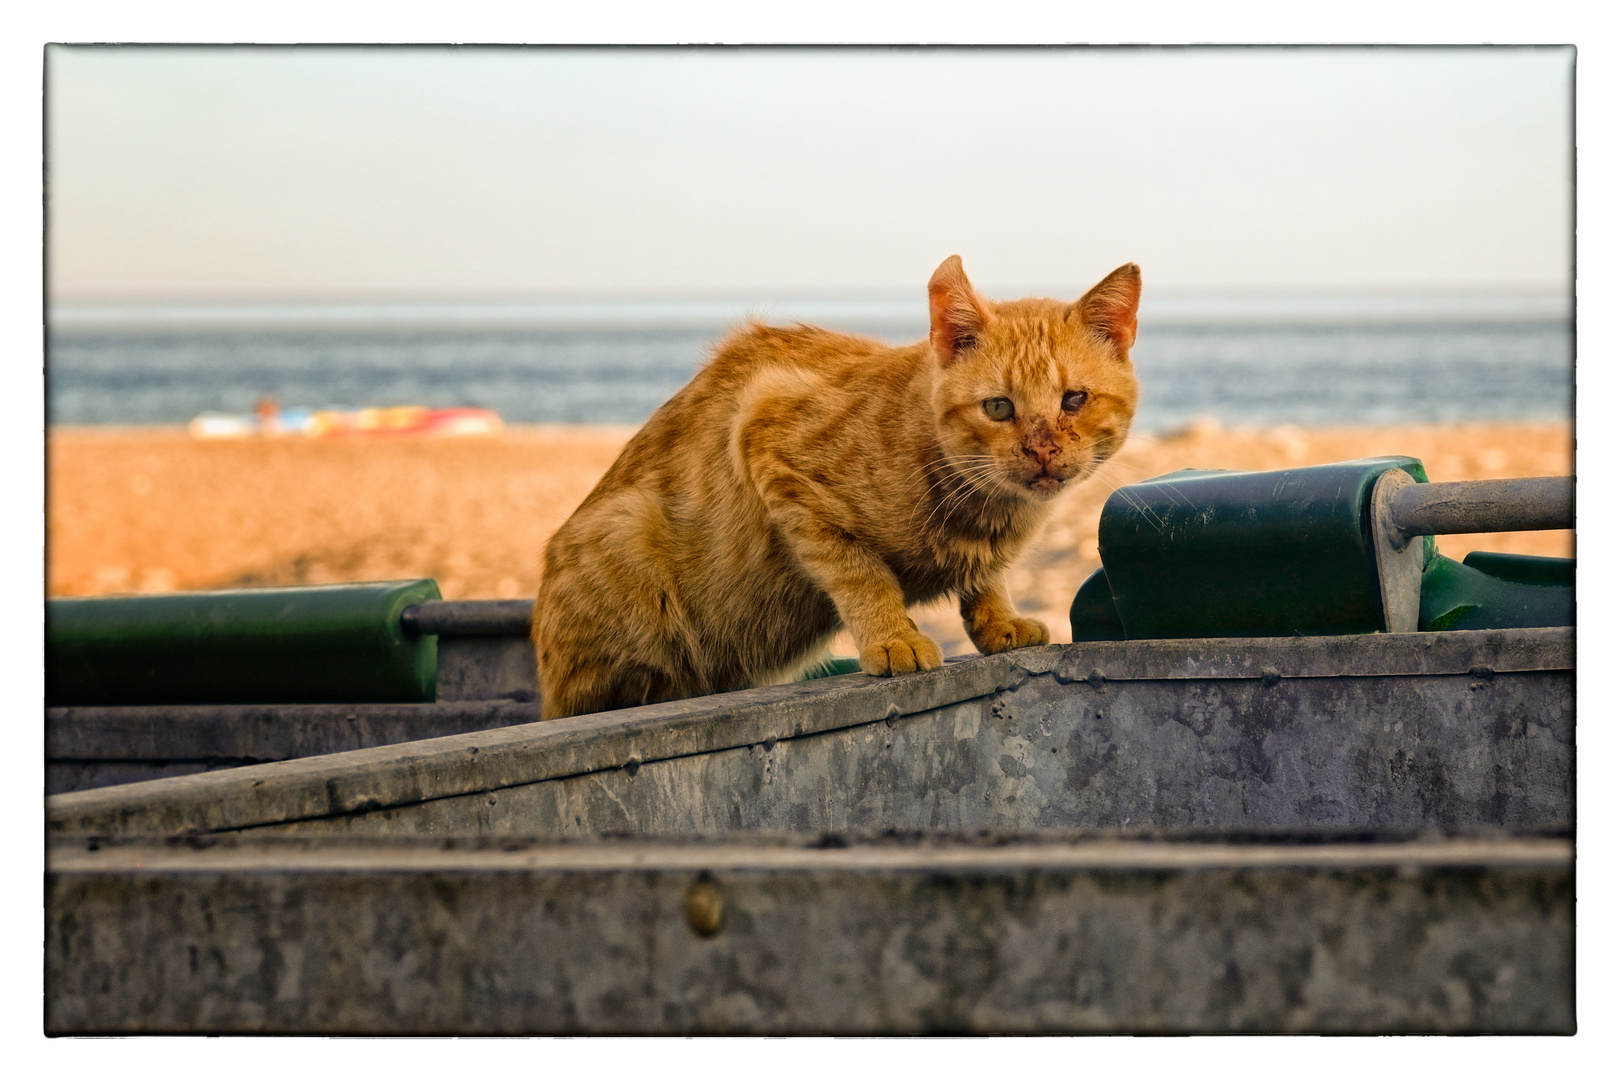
{"type": "Point", "coordinates": [1110, 307]}
{"type": "Point", "coordinates": [956, 312]}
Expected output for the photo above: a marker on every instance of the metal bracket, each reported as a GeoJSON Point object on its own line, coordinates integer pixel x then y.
{"type": "Point", "coordinates": [1400, 561]}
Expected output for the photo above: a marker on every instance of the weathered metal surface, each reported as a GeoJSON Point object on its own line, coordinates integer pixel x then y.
{"type": "Point", "coordinates": [1206, 732]}
{"type": "Point", "coordinates": [1380, 752]}
{"type": "Point", "coordinates": [93, 746]}
{"type": "Point", "coordinates": [1479, 506]}
{"type": "Point", "coordinates": [484, 667]}
{"type": "Point", "coordinates": [484, 681]}
{"type": "Point", "coordinates": [1465, 935]}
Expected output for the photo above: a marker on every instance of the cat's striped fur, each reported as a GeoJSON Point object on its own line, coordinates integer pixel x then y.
{"type": "Point", "coordinates": [806, 480]}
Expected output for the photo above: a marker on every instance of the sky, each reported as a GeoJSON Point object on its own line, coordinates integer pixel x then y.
{"type": "Point", "coordinates": [433, 173]}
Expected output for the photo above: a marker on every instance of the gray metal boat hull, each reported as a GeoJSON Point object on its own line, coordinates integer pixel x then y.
{"type": "Point", "coordinates": [1358, 834]}
{"type": "Point", "coordinates": [1381, 731]}
{"type": "Point", "coordinates": [749, 937]}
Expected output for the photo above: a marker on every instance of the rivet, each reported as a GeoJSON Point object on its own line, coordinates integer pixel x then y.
{"type": "Point", "coordinates": [705, 908]}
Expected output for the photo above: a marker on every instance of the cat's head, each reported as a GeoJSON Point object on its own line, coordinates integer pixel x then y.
{"type": "Point", "coordinates": [1032, 395]}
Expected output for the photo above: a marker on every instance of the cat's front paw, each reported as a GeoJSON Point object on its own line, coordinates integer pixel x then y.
{"type": "Point", "coordinates": [902, 655]}
{"type": "Point", "coordinates": [999, 636]}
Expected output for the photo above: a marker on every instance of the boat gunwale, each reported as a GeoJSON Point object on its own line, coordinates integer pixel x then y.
{"type": "Point", "coordinates": [398, 774]}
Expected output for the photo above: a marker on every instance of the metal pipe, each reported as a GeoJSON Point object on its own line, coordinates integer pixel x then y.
{"type": "Point", "coordinates": [1483, 506]}
{"type": "Point", "coordinates": [502, 618]}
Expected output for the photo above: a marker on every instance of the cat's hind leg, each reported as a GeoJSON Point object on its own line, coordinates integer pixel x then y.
{"type": "Point", "coordinates": [591, 687]}
{"type": "Point", "coordinates": [606, 632]}
{"type": "Point", "coordinates": [572, 689]}
{"type": "Point", "coordinates": [587, 663]}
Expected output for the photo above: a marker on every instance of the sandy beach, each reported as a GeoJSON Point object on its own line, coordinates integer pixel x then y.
{"type": "Point", "coordinates": [151, 510]}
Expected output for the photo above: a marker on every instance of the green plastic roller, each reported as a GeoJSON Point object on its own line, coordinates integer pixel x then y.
{"type": "Point", "coordinates": [322, 643]}
{"type": "Point", "coordinates": [1328, 549]}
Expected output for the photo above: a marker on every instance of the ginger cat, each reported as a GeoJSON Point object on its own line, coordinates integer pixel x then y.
{"type": "Point", "coordinates": [806, 480]}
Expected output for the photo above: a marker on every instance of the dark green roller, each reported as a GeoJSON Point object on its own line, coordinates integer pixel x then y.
{"type": "Point", "coordinates": [1093, 615]}
{"type": "Point", "coordinates": [321, 643]}
{"type": "Point", "coordinates": [1203, 553]}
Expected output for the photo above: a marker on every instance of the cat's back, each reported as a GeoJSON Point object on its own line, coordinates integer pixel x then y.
{"type": "Point", "coordinates": [755, 364]}
{"type": "Point", "coordinates": [759, 353]}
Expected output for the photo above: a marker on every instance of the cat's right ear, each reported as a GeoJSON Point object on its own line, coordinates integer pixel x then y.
{"type": "Point", "coordinates": [956, 313]}
{"type": "Point", "coordinates": [1110, 307]}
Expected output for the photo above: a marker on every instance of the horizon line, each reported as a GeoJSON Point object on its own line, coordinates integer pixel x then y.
{"type": "Point", "coordinates": [629, 312]}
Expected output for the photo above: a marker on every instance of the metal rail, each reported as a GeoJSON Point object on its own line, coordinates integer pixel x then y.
{"type": "Point", "coordinates": [1483, 506]}
{"type": "Point", "coordinates": [496, 618]}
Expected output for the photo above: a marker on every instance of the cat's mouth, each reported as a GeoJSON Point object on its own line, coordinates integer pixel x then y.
{"type": "Point", "coordinates": [1045, 483]}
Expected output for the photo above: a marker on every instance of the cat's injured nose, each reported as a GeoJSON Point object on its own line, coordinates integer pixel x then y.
{"type": "Point", "coordinates": [1042, 454]}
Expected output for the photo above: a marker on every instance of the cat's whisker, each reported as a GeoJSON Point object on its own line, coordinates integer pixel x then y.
{"type": "Point", "coordinates": [1169, 486]}
{"type": "Point", "coordinates": [939, 482]}
{"type": "Point", "coordinates": [955, 473]}
{"type": "Point", "coordinates": [949, 465]}
{"type": "Point", "coordinates": [1110, 466]}
{"type": "Point", "coordinates": [976, 478]}
{"type": "Point", "coordinates": [971, 465]}
{"type": "Point", "coordinates": [1109, 481]}
{"type": "Point", "coordinates": [1115, 474]}
{"type": "Point", "coordinates": [983, 476]}
{"type": "Point", "coordinates": [949, 504]}
{"type": "Point", "coordinates": [932, 464]}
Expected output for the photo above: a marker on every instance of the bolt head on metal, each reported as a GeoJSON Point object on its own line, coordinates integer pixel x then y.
{"type": "Point", "coordinates": [705, 907]}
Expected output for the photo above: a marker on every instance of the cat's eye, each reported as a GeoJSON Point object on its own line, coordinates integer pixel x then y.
{"type": "Point", "coordinates": [998, 408]}
{"type": "Point", "coordinates": [1073, 400]}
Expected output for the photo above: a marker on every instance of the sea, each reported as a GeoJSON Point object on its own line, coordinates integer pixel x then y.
{"type": "Point", "coordinates": [1239, 361]}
